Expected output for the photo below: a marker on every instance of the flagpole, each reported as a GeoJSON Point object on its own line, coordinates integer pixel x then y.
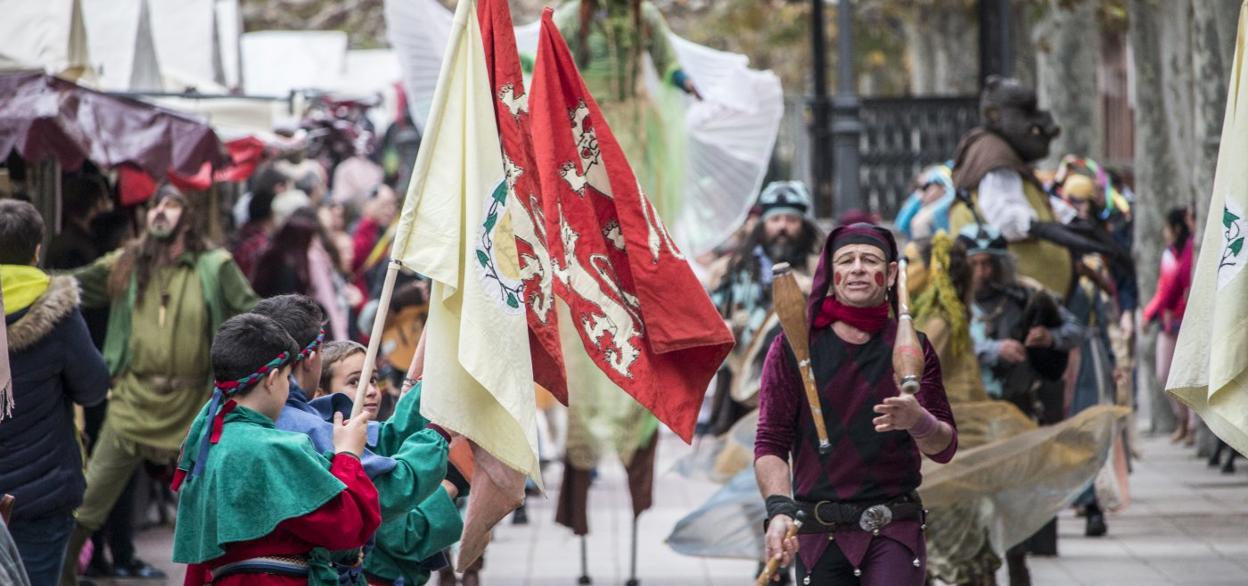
{"type": "Point", "coordinates": [374, 340]}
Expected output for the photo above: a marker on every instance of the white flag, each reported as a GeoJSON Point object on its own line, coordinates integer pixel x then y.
{"type": "Point", "coordinates": [1210, 367]}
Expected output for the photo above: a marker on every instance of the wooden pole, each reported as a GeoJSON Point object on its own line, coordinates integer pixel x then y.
{"type": "Point", "coordinates": [907, 354]}
{"type": "Point", "coordinates": [790, 304]}
{"type": "Point", "coordinates": [374, 340]}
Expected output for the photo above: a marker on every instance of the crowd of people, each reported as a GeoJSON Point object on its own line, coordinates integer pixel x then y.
{"type": "Point", "coordinates": [1023, 283]}
{"type": "Point", "coordinates": [128, 333]}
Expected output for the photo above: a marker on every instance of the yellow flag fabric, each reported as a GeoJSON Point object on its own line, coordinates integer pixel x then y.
{"type": "Point", "coordinates": [1210, 367]}
{"type": "Point", "coordinates": [455, 228]}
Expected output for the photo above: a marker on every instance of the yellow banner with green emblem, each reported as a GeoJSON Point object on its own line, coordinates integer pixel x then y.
{"type": "Point", "coordinates": [1210, 367]}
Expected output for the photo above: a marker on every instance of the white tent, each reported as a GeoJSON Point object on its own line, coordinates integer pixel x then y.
{"type": "Point", "coordinates": [47, 35]}
{"type": "Point", "coordinates": [122, 48]}
{"type": "Point", "coordinates": [277, 62]}
{"type": "Point", "coordinates": [186, 43]}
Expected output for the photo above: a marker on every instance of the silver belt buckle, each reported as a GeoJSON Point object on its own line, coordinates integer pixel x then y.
{"type": "Point", "coordinates": [875, 517]}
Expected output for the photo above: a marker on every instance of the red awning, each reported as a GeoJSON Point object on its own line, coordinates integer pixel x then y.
{"type": "Point", "coordinates": [46, 117]}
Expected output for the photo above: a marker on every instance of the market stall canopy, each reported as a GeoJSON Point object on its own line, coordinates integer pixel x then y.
{"type": "Point", "coordinates": [45, 117]}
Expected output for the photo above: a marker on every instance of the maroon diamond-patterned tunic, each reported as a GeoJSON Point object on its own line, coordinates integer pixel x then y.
{"type": "Point", "coordinates": [865, 467]}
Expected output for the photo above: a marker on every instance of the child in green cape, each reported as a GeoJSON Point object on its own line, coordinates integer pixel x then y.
{"type": "Point", "coordinates": [408, 546]}
{"type": "Point", "coordinates": [260, 506]}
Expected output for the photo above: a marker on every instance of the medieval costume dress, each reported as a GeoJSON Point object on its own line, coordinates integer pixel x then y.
{"type": "Point", "coordinates": [265, 508]}
{"type": "Point", "coordinates": [865, 468]}
{"type": "Point", "coordinates": [409, 546]}
{"type": "Point", "coordinates": [157, 351]}
{"type": "Point", "coordinates": [613, 41]}
{"type": "Point", "coordinates": [740, 288]}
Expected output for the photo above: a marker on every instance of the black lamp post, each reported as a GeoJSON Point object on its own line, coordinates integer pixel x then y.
{"type": "Point", "coordinates": [846, 126]}
{"type": "Point", "coordinates": [820, 149]}
{"type": "Point", "coordinates": [996, 49]}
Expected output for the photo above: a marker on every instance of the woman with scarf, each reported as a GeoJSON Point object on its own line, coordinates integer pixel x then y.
{"type": "Point", "coordinates": [864, 521]}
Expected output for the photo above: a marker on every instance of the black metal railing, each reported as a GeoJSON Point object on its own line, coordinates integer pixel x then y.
{"type": "Point", "coordinates": [901, 136]}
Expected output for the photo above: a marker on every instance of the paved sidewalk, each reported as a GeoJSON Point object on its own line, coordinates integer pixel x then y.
{"type": "Point", "coordinates": [1187, 524]}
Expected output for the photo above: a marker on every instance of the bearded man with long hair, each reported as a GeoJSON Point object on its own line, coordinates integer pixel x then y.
{"type": "Point", "coordinates": [168, 291]}
{"type": "Point", "coordinates": [740, 286]}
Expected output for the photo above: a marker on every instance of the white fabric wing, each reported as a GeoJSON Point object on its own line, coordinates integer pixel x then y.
{"type": "Point", "coordinates": [418, 31]}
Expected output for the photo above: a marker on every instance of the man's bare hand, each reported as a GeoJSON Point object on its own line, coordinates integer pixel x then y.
{"type": "Point", "coordinates": [777, 545]}
{"type": "Point", "coordinates": [898, 413]}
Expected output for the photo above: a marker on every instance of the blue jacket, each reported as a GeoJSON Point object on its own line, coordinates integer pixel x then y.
{"type": "Point", "coordinates": [54, 365]}
{"type": "Point", "coordinates": [301, 416]}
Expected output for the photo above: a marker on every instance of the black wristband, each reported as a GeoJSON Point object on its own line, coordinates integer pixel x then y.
{"type": "Point", "coordinates": [456, 478]}
{"type": "Point", "coordinates": [778, 504]}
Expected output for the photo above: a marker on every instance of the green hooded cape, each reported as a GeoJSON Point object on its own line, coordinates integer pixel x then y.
{"type": "Point", "coordinates": [245, 488]}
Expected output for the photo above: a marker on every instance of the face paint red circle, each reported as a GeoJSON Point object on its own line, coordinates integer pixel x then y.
{"type": "Point", "coordinates": [879, 279]}
{"type": "Point", "coordinates": [836, 278]}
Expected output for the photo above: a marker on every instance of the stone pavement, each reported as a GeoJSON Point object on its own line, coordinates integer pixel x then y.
{"type": "Point", "coordinates": [1187, 524]}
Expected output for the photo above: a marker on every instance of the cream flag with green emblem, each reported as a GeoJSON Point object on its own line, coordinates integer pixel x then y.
{"type": "Point", "coordinates": [455, 228]}
{"type": "Point", "coordinates": [1210, 367]}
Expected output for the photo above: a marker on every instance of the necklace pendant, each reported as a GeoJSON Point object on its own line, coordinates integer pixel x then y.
{"type": "Point", "coordinates": [164, 303]}
{"type": "Point", "coordinates": [161, 316]}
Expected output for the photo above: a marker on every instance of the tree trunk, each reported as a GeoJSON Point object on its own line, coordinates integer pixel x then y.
{"type": "Point", "coordinates": [1183, 53]}
{"type": "Point", "coordinates": [1156, 183]}
{"type": "Point", "coordinates": [1067, 49]}
{"type": "Point", "coordinates": [939, 41]}
{"type": "Point", "coordinates": [1213, 45]}
{"type": "Point", "coordinates": [1024, 51]}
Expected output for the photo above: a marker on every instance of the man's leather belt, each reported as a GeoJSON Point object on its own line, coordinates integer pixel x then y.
{"type": "Point", "coordinates": [827, 516]}
{"type": "Point", "coordinates": [280, 565]}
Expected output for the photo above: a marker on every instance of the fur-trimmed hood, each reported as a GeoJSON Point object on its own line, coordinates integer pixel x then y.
{"type": "Point", "coordinates": [37, 321]}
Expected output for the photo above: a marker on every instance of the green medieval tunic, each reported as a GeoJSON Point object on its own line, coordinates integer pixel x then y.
{"type": "Point", "coordinates": [162, 372]}
{"type": "Point", "coordinates": [254, 478]}
{"type": "Point", "coordinates": [404, 541]}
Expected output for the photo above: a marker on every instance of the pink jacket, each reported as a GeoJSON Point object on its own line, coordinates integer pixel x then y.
{"type": "Point", "coordinates": [1173, 284]}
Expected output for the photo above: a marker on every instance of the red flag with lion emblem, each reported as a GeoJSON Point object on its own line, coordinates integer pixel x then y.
{"type": "Point", "coordinates": [636, 305]}
{"type": "Point", "coordinates": [512, 111]}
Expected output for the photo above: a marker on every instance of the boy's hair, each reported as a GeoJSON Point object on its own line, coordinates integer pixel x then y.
{"type": "Point", "coordinates": [334, 352]}
{"type": "Point", "coordinates": [300, 315]}
{"type": "Point", "coordinates": [244, 344]}
{"type": "Point", "coordinates": [21, 231]}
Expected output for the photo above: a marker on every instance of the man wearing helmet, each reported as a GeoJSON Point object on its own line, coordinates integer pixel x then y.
{"type": "Point", "coordinates": [740, 286]}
